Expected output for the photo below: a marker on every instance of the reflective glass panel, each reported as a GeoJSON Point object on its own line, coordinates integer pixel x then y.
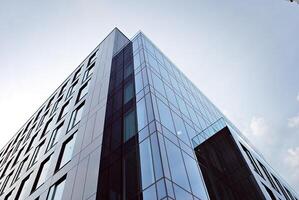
{"type": "Point", "coordinates": [129, 125]}
{"type": "Point", "coordinates": [165, 116]}
{"type": "Point", "coordinates": [176, 165]}
{"type": "Point", "coordinates": [128, 92]}
{"type": "Point", "coordinates": [147, 171]}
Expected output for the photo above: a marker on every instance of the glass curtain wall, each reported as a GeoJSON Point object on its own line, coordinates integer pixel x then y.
{"type": "Point", "coordinates": [153, 112]}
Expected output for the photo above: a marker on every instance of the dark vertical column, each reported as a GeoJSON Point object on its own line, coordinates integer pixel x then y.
{"type": "Point", "coordinates": [119, 168]}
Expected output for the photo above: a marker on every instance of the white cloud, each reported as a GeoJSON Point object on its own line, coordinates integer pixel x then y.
{"type": "Point", "coordinates": [258, 126]}
{"type": "Point", "coordinates": [293, 121]}
{"type": "Point", "coordinates": [292, 161]}
{"type": "Point", "coordinates": [292, 158]}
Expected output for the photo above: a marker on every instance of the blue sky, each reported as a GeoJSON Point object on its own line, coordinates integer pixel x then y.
{"type": "Point", "coordinates": [242, 54]}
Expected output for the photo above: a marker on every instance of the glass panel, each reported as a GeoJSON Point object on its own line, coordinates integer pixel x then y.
{"type": "Point", "coordinates": [64, 110]}
{"type": "Point", "coordinates": [180, 128]}
{"type": "Point", "coordinates": [138, 83]}
{"type": "Point", "coordinates": [164, 156]}
{"type": "Point", "coordinates": [182, 106]}
{"type": "Point", "coordinates": [146, 163]}
{"type": "Point", "coordinates": [59, 191]}
{"type": "Point", "coordinates": [129, 125]}
{"type": "Point", "coordinates": [128, 92]}
{"type": "Point", "coordinates": [191, 131]}
{"type": "Point", "coordinates": [161, 189]}
{"type": "Point", "coordinates": [169, 188]}
{"type": "Point", "coordinates": [153, 63]}
{"type": "Point", "coordinates": [43, 173]}
{"type": "Point", "coordinates": [56, 191]}
{"type": "Point", "coordinates": [56, 136]}
{"type": "Point", "coordinates": [176, 165]}
{"type": "Point", "coordinates": [181, 194]}
{"type": "Point", "coordinates": [136, 60]}
{"type": "Point", "coordinates": [67, 152]}
{"type": "Point", "coordinates": [158, 84]}
{"type": "Point", "coordinates": [171, 96]}
{"type": "Point", "coordinates": [156, 156]}
{"type": "Point", "coordinates": [150, 193]}
{"type": "Point", "coordinates": [141, 114]}
{"type": "Point", "coordinates": [79, 113]}
{"type": "Point", "coordinates": [36, 155]}
{"type": "Point", "coordinates": [165, 116]}
{"type": "Point", "coordinates": [195, 178]}
{"type": "Point", "coordinates": [128, 70]}
{"type": "Point", "coordinates": [83, 91]}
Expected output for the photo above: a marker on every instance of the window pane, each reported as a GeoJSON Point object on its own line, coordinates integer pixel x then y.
{"type": "Point", "coordinates": [78, 115]}
{"type": "Point", "coordinates": [156, 156]}
{"type": "Point", "coordinates": [158, 84]}
{"type": "Point", "coordinates": [83, 91]}
{"type": "Point", "coordinates": [59, 191]}
{"type": "Point", "coordinates": [171, 96]}
{"type": "Point", "coordinates": [37, 153]}
{"type": "Point", "coordinates": [136, 61]}
{"type": "Point", "coordinates": [56, 136]}
{"type": "Point", "coordinates": [67, 151]}
{"type": "Point", "coordinates": [88, 72]}
{"type": "Point", "coordinates": [130, 125]}
{"type": "Point", "coordinates": [150, 193]}
{"type": "Point", "coordinates": [147, 172]}
{"type": "Point", "coordinates": [64, 110]}
{"type": "Point", "coordinates": [141, 114]}
{"type": "Point", "coordinates": [43, 172]}
{"type": "Point", "coordinates": [180, 128]}
{"type": "Point", "coordinates": [176, 165]}
{"type": "Point", "coordinates": [138, 83]}
{"type": "Point", "coordinates": [128, 92]}
{"type": "Point", "coordinates": [153, 62]}
{"type": "Point", "coordinates": [182, 106]}
{"type": "Point", "coordinates": [56, 191]}
{"type": "Point", "coordinates": [165, 116]}
{"type": "Point", "coordinates": [195, 178]}
{"type": "Point", "coordinates": [181, 194]}
{"type": "Point", "coordinates": [128, 70]}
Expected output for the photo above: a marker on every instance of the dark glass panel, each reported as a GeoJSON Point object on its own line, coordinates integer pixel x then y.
{"type": "Point", "coordinates": [129, 125]}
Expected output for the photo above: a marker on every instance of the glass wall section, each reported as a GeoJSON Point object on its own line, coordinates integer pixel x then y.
{"type": "Point", "coordinates": [180, 114]}
{"type": "Point", "coordinates": [153, 112]}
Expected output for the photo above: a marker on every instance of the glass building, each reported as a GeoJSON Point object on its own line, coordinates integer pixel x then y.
{"type": "Point", "coordinates": [128, 124]}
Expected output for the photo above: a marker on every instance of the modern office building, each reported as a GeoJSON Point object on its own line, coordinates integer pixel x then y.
{"type": "Point", "coordinates": [126, 125]}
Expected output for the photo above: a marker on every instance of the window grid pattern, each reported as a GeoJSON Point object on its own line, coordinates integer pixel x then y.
{"type": "Point", "coordinates": [166, 127]}
{"type": "Point", "coordinates": [34, 136]}
{"type": "Point", "coordinates": [180, 109]}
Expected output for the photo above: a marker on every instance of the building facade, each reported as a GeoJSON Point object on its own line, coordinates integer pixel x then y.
{"type": "Point", "coordinates": [128, 124]}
